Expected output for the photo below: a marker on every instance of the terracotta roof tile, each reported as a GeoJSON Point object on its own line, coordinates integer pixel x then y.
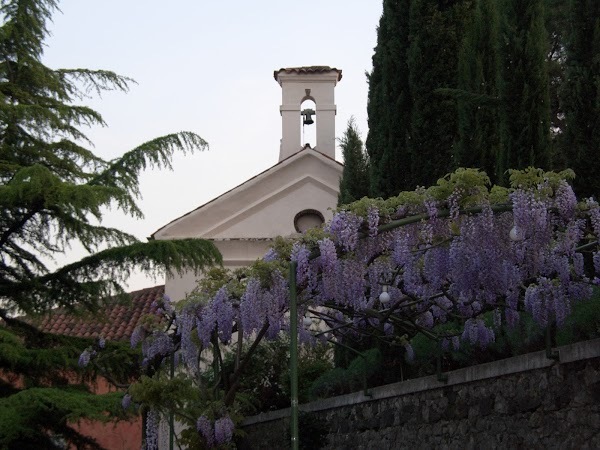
{"type": "Point", "coordinates": [308, 69]}
{"type": "Point", "coordinates": [114, 322]}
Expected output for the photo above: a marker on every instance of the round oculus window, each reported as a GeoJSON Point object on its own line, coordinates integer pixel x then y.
{"type": "Point", "coordinates": [309, 218]}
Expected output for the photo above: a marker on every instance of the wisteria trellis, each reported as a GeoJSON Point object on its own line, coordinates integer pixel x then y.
{"type": "Point", "coordinates": [453, 253]}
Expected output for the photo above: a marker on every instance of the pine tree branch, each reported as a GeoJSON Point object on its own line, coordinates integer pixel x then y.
{"type": "Point", "coordinates": [98, 276]}
{"type": "Point", "coordinates": [19, 224]}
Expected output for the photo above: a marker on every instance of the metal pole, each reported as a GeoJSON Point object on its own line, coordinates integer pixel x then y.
{"type": "Point", "coordinates": [171, 415]}
{"type": "Point", "coordinates": [294, 355]}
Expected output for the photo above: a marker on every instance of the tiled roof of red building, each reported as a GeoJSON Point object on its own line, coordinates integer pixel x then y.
{"type": "Point", "coordinates": [308, 69]}
{"type": "Point", "coordinates": [114, 322]}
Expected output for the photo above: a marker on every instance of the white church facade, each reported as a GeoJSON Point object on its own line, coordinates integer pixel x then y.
{"type": "Point", "coordinates": [298, 192]}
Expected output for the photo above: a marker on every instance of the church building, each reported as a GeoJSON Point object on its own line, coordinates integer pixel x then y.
{"type": "Point", "coordinates": [295, 194]}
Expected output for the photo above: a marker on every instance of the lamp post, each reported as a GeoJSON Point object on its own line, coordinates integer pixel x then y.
{"type": "Point", "coordinates": [294, 355]}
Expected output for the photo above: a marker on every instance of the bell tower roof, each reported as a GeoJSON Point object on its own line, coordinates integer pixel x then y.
{"type": "Point", "coordinates": [306, 70]}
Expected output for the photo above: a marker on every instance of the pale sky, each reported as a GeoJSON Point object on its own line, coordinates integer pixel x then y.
{"type": "Point", "coordinates": [207, 67]}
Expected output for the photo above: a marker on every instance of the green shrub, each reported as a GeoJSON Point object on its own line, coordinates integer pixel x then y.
{"type": "Point", "coordinates": [343, 380]}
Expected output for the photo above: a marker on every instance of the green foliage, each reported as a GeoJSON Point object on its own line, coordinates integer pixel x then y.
{"type": "Point", "coordinates": [54, 191]}
{"type": "Point", "coordinates": [470, 187]}
{"type": "Point", "coordinates": [354, 183]}
{"type": "Point", "coordinates": [265, 385]}
{"type": "Point", "coordinates": [471, 183]}
{"type": "Point", "coordinates": [531, 177]}
{"type": "Point", "coordinates": [187, 399]}
{"type": "Point", "coordinates": [341, 381]}
{"type": "Point", "coordinates": [583, 323]}
{"type": "Point", "coordinates": [283, 247]}
{"type": "Point", "coordinates": [24, 414]}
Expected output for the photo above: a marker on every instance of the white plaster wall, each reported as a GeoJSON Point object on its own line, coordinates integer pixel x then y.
{"type": "Point", "coordinates": [236, 253]}
{"type": "Point", "coordinates": [276, 217]}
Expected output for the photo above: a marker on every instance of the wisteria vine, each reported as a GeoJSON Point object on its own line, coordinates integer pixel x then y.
{"type": "Point", "coordinates": [450, 253]}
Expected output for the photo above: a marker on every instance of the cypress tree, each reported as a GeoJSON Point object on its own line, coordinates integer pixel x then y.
{"type": "Point", "coordinates": [581, 96]}
{"type": "Point", "coordinates": [557, 17]}
{"type": "Point", "coordinates": [389, 103]}
{"type": "Point", "coordinates": [477, 95]}
{"type": "Point", "coordinates": [524, 94]}
{"type": "Point", "coordinates": [354, 183]}
{"type": "Point", "coordinates": [376, 111]}
{"type": "Point", "coordinates": [53, 191]}
{"type": "Point", "coordinates": [436, 30]}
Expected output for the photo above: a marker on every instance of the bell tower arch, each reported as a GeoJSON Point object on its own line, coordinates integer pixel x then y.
{"type": "Point", "coordinates": [316, 83]}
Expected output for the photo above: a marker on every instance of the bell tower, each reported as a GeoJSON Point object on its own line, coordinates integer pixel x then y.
{"type": "Point", "coordinates": [298, 84]}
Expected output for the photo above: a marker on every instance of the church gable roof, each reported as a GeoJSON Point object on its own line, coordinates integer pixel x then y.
{"type": "Point", "coordinates": [307, 173]}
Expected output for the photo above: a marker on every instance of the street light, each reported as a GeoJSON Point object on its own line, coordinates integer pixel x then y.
{"type": "Point", "coordinates": [384, 297]}
{"type": "Point", "coordinates": [515, 234]}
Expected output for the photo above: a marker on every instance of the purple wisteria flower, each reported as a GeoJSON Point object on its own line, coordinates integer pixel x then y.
{"type": "Point", "coordinates": [126, 401]}
{"type": "Point", "coordinates": [138, 335]}
{"type": "Point", "coordinates": [224, 313]}
{"type": "Point", "coordinates": [205, 428]}
{"type": "Point", "coordinates": [477, 333]}
{"type": "Point", "coordinates": [344, 228]}
{"type": "Point", "coordinates": [152, 424]}
{"type": "Point", "coordinates": [328, 266]}
{"type": "Point", "coordinates": [373, 220]}
{"type": "Point", "coordinates": [84, 358]}
{"type": "Point", "coordinates": [250, 310]}
{"type": "Point", "coordinates": [158, 344]}
{"type": "Point", "coordinates": [565, 200]}
{"type": "Point", "coordinates": [409, 353]}
{"type": "Point", "coordinates": [186, 319]}
{"type": "Point", "coordinates": [596, 260]}
{"type": "Point", "coordinates": [271, 255]}
{"type": "Point", "coordinates": [224, 430]}
{"type": "Point", "coordinates": [594, 213]}
{"type": "Point", "coordinates": [205, 324]}
{"type": "Point", "coordinates": [301, 254]}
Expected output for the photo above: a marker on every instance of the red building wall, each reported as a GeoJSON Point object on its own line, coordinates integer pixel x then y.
{"type": "Point", "coordinates": [122, 435]}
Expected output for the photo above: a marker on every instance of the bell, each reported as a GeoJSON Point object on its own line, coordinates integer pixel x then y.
{"type": "Point", "coordinates": [307, 114]}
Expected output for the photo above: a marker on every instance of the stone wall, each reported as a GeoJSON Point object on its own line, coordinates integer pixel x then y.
{"type": "Point", "coordinates": [528, 401]}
